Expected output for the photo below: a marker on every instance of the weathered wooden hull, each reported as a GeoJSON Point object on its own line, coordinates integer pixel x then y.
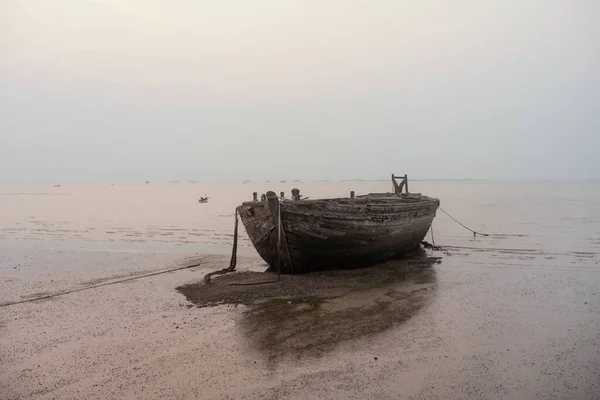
{"type": "Point", "coordinates": [337, 233]}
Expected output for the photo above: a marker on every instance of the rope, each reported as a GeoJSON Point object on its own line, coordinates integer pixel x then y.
{"type": "Point", "coordinates": [233, 261]}
{"type": "Point", "coordinates": [461, 224]}
{"type": "Point", "coordinates": [278, 256]}
{"type": "Point", "coordinates": [475, 233]}
{"type": "Point", "coordinates": [431, 229]}
{"type": "Point", "coordinates": [279, 241]}
{"type": "Point", "coordinates": [12, 303]}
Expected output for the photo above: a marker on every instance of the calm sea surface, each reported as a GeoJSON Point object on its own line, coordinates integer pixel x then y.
{"type": "Point", "coordinates": [535, 217]}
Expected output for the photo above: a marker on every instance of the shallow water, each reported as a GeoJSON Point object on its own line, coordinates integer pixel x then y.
{"type": "Point", "coordinates": [552, 217]}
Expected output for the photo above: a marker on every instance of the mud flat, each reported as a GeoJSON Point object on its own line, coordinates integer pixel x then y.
{"type": "Point", "coordinates": [480, 324]}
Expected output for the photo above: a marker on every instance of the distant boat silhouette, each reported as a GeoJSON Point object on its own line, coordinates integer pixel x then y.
{"type": "Point", "coordinates": [203, 200]}
{"type": "Point", "coordinates": [56, 185]}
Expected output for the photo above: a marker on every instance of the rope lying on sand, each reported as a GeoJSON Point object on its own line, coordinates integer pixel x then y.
{"type": "Point", "coordinates": [49, 296]}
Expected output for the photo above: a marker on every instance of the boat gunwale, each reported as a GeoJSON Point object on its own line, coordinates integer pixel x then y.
{"type": "Point", "coordinates": [360, 215]}
{"type": "Point", "coordinates": [347, 201]}
{"type": "Point", "coordinates": [371, 218]}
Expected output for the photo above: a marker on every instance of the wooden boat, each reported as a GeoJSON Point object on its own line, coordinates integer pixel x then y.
{"type": "Point", "coordinates": [203, 200]}
{"type": "Point", "coordinates": [298, 235]}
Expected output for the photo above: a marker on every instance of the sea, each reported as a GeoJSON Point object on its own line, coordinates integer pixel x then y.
{"type": "Point", "coordinates": [538, 217]}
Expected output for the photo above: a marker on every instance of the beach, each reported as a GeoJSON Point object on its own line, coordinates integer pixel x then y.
{"type": "Point", "coordinates": [512, 315]}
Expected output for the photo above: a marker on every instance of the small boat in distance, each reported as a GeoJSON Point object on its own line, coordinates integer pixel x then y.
{"type": "Point", "coordinates": [298, 235]}
{"type": "Point", "coordinates": [203, 200]}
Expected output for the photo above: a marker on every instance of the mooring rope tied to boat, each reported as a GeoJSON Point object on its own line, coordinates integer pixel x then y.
{"type": "Point", "coordinates": [476, 232]}
{"type": "Point", "coordinates": [233, 261]}
{"type": "Point", "coordinates": [463, 225]}
{"type": "Point", "coordinates": [279, 241]}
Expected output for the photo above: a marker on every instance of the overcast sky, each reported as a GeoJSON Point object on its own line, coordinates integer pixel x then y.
{"type": "Point", "coordinates": [129, 90]}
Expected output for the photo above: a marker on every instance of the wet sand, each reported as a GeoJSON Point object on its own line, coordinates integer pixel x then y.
{"type": "Point", "coordinates": [480, 324]}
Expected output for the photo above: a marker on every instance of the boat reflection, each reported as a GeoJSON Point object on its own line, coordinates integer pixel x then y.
{"type": "Point", "coordinates": [347, 305]}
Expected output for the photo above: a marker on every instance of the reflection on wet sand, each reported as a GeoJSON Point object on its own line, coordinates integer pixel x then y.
{"type": "Point", "coordinates": [307, 315]}
{"type": "Point", "coordinates": [310, 326]}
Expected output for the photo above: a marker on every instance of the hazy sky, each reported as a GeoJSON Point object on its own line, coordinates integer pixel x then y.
{"type": "Point", "coordinates": [129, 90]}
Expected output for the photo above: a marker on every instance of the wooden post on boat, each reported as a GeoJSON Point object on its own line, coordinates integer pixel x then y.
{"type": "Point", "coordinates": [255, 196]}
{"type": "Point", "coordinates": [296, 195]}
{"type": "Point", "coordinates": [283, 253]}
{"type": "Point", "coordinates": [398, 187]}
{"type": "Point", "coordinates": [282, 195]}
{"type": "Point", "coordinates": [352, 197]}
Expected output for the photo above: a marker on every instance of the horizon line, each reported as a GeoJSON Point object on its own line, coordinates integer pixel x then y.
{"type": "Point", "coordinates": [193, 181]}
